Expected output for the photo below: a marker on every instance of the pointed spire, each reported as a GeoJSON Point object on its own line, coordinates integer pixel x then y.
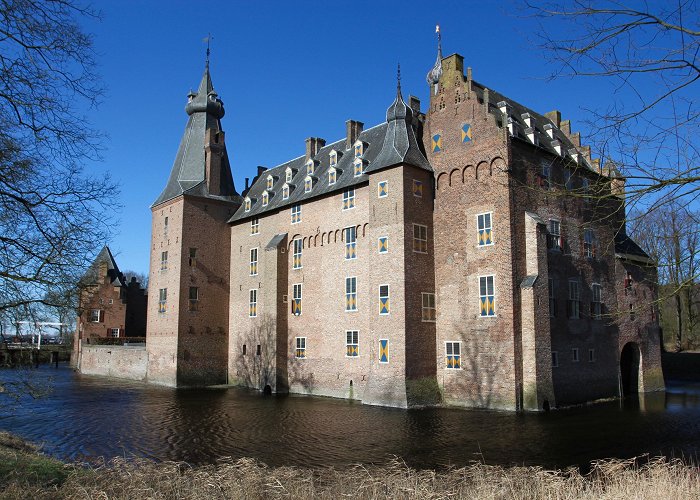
{"type": "Point", "coordinates": [208, 40]}
{"type": "Point", "coordinates": [398, 80]}
{"type": "Point", "coordinates": [434, 74]}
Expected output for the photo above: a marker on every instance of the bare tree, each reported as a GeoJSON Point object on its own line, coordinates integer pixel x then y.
{"type": "Point", "coordinates": [649, 123]}
{"type": "Point", "coordinates": [53, 217]}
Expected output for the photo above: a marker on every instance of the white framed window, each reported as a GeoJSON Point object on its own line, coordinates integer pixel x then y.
{"type": "Point", "coordinates": [253, 261]}
{"type": "Point", "coordinates": [358, 167]}
{"type": "Point", "coordinates": [352, 343]}
{"type": "Point", "coordinates": [554, 241]}
{"type": "Point", "coordinates": [114, 333]}
{"type": "Point", "coordinates": [270, 182]}
{"type": "Point", "coordinates": [420, 238]}
{"type": "Point", "coordinates": [453, 355]}
{"type": "Point", "coordinates": [349, 199]}
{"type": "Point", "coordinates": [163, 260]}
{"type": "Point", "coordinates": [194, 298]}
{"type": "Point", "coordinates": [596, 302]}
{"type": "Point", "coordinates": [383, 244]}
{"type": "Point", "coordinates": [95, 315]}
{"type": "Point", "coordinates": [162, 300]}
{"type": "Point", "coordinates": [484, 229]}
{"type": "Point", "coordinates": [265, 198]}
{"type": "Point", "coordinates": [333, 158]}
{"type": "Point", "coordinates": [591, 355]}
{"type": "Point", "coordinates": [296, 213]}
{"type": "Point", "coordinates": [574, 302]}
{"type": "Point", "coordinates": [246, 204]}
{"type": "Point", "coordinates": [351, 294]}
{"type": "Point", "coordinates": [254, 226]}
{"type": "Point", "coordinates": [545, 179]}
{"type": "Point", "coordinates": [350, 242]}
{"type": "Point", "coordinates": [568, 180]}
{"type": "Point", "coordinates": [296, 299]}
{"type": "Point", "coordinates": [332, 176]}
{"type": "Point", "coordinates": [555, 359]}
{"type": "Point", "coordinates": [253, 303]}
{"type": "Point", "coordinates": [589, 243]}
{"type": "Point", "coordinates": [417, 188]}
{"type": "Point", "coordinates": [300, 351]}
{"type": "Point", "coordinates": [288, 175]}
{"type": "Point", "coordinates": [384, 306]}
{"type": "Point", "coordinates": [487, 296]}
{"type": "Point", "coordinates": [382, 189]}
{"type": "Point", "coordinates": [383, 351]}
{"type": "Point", "coordinates": [428, 311]}
{"type": "Point", "coordinates": [574, 355]}
{"type": "Point", "coordinates": [308, 184]}
{"type": "Point", "coordinates": [285, 192]}
{"type": "Point", "coordinates": [552, 298]}
{"type": "Point", "coordinates": [310, 167]}
{"type": "Point", "coordinates": [298, 245]}
{"type": "Point", "coordinates": [359, 149]}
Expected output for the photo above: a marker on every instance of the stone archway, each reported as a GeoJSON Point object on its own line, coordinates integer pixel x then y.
{"type": "Point", "coordinates": [630, 362]}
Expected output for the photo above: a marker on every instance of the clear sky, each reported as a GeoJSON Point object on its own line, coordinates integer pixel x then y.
{"type": "Point", "coordinates": [287, 70]}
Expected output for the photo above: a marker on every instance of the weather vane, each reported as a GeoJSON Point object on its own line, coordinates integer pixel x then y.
{"type": "Point", "coordinates": [398, 76]}
{"type": "Point", "coordinates": [208, 40]}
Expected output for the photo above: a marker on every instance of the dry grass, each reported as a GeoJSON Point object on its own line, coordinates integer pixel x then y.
{"type": "Point", "coordinates": [657, 479]}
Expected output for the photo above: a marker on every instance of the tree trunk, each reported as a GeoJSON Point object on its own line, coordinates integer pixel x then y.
{"type": "Point", "coordinates": [679, 322]}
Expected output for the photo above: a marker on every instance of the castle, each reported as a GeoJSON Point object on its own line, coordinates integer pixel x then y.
{"type": "Point", "coordinates": [472, 254]}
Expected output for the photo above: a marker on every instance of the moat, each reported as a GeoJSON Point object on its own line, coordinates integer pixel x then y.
{"type": "Point", "coordinates": [86, 417]}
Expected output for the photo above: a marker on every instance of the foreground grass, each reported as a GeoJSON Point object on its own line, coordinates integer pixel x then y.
{"type": "Point", "coordinates": [39, 477]}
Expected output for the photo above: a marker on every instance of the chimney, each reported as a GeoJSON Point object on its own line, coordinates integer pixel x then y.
{"type": "Point", "coordinates": [469, 82]}
{"type": "Point", "coordinates": [213, 152]}
{"type": "Point", "coordinates": [554, 117]}
{"type": "Point", "coordinates": [565, 126]}
{"type": "Point", "coordinates": [353, 130]}
{"type": "Point", "coordinates": [261, 169]}
{"type": "Point", "coordinates": [313, 145]}
{"type": "Point", "coordinates": [247, 186]}
{"type": "Point", "coordinates": [414, 103]}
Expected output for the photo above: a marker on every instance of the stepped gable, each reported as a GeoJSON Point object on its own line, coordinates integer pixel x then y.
{"type": "Point", "coordinates": [345, 178]}
{"type": "Point", "coordinates": [188, 175]}
{"type": "Point", "coordinates": [400, 144]}
{"type": "Point", "coordinates": [538, 125]}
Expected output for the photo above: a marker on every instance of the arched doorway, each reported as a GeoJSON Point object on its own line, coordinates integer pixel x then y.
{"type": "Point", "coordinates": [629, 369]}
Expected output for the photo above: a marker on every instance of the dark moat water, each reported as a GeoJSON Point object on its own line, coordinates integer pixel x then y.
{"type": "Point", "coordinates": [86, 417]}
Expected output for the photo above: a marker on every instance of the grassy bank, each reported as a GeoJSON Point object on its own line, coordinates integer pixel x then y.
{"type": "Point", "coordinates": [28, 474]}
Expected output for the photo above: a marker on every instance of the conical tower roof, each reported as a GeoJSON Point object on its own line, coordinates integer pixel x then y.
{"type": "Point", "coordinates": [188, 175]}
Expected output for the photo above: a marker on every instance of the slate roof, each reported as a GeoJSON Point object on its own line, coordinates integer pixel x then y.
{"type": "Point", "coordinates": [187, 176]}
{"type": "Point", "coordinates": [385, 145]}
{"type": "Point", "coordinates": [105, 256]}
{"type": "Point", "coordinates": [627, 247]}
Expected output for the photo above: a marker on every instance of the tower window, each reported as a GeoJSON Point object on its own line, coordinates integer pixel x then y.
{"type": "Point", "coordinates": [349, 199]}
{"type": "Point", "coordinates": [254, 226]}
{"type": "Point", "coordinates": [420, 238]}
{"type": "Point", "coordinates": [428, 311]}
{"type": "Point", "coordinates": [384, 306]}
{"type": "Point", "coordinates": [596, 302]}
{"type": "Point", "coordinates": [554, 241]}
{"type": "Point", "coordinates": [296, 213]}
{"type": "Point", "coordinates": [574, 302]}
{"type": "Point", "coordinates": [296, 299]}
{"type": "Point", "coordinates": [350, 243]}
{"type": "Point", "coordinates": [193, 298]}
{"type": "Point", "coordinates": [487, 296]}
{"type": "Point", "coordinates": [253, 304]}
{"type": "Point", "coordinates": [300, 352]}
{"type": "Point", "coordinates": [162, 300]}
{"type": "Point", "coordinates": [351, 294]}
{"type": "Point", "coordinates": [296, 255]}
{"type": "Point", "coordinates": [253, 261]}
{"type": "Point", "coordinates": [163, 260]}
{"type": "Point", "coordinates": [453, 355]}
{"type": "Point", "coordinates": [485, 235]}
{"type": "Point", "coordinates": [193, 257]}
{"type": "Point", "coordinates": [352, 344]}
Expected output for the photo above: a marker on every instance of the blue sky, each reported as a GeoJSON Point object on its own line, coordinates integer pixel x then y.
{"type": "Point", "coordinates": [287, 71]}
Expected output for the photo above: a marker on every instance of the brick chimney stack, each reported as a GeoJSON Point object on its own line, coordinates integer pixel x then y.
{"type": "Point", "coordinates": [353, 130]}
{"type": "Point", "coordinates": [313, 145]}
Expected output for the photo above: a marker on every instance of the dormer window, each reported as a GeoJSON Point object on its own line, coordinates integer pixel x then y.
{"type": "Point", "coordinates": [358, 167]}
{"type": "Point", "coordinates": [573, 152]}
{"type": "Point", "coordinates": [549, 130]}
{"type": "Point", "coordinates": [246, 204]}
{"type": "Point", "coordinates": [529, 122]}
{"type": "Point", "coordinates": [308, 184]}
{"type": "Point", "coordinates": [530, 133]}
{"type": "Point", "coordinates": [511, 127]}
{"type": "Point", "coordinates": [331, 176]}
{"type": "Point", "coordinates": [288, 175]}
{"type": "Point", "coordinates": [334, 158]}
{"type": "Point", "coordinates": [310, 167]}
{"type": "Point", "coordinates": [285, 191]}
{"type": "Point", "coordinates": [270, 182]}
{"type": "Point", "coordinates": [359, 149]}
{"type": "Point", "coordinates": [557, 147]}
{"type": "Point", "coordinates": [265, 198]}
{"type": "Point", "coordinates": [503, 107]}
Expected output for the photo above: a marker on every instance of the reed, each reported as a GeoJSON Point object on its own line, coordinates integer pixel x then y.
{"type": "Point", "coordinates": [248, 479]}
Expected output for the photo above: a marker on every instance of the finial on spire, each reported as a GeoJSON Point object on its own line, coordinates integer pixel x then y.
{"type": "Point", "coordinates": [398, 79]}
{"type": "Point", "coordinates": [434, 74]}
{"type": "Point", "coordinates": [208, 40]}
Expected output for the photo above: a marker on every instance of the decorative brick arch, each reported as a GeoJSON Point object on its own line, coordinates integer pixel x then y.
{"type": "Point", "coordinates": [453, 176]}
{"type": "Point", "coordinates": [441, 180]}
{"type": "Point", "coordinates": [465, 172]}
{"type": "Point", "coordinates": [306, 242]}
{"type": "Point", "coordinates": [335, 240]}
{"type": "Point", "coordinates": [498, 165]}
{"type": "Point", "coordinates": [364, 229]}
{"type": "Point", "coordinates": [482, 168]}
{"type": "Point", "coordinates": [291, 241]}
{"type": "Point", "coordinates": [323, 237]}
